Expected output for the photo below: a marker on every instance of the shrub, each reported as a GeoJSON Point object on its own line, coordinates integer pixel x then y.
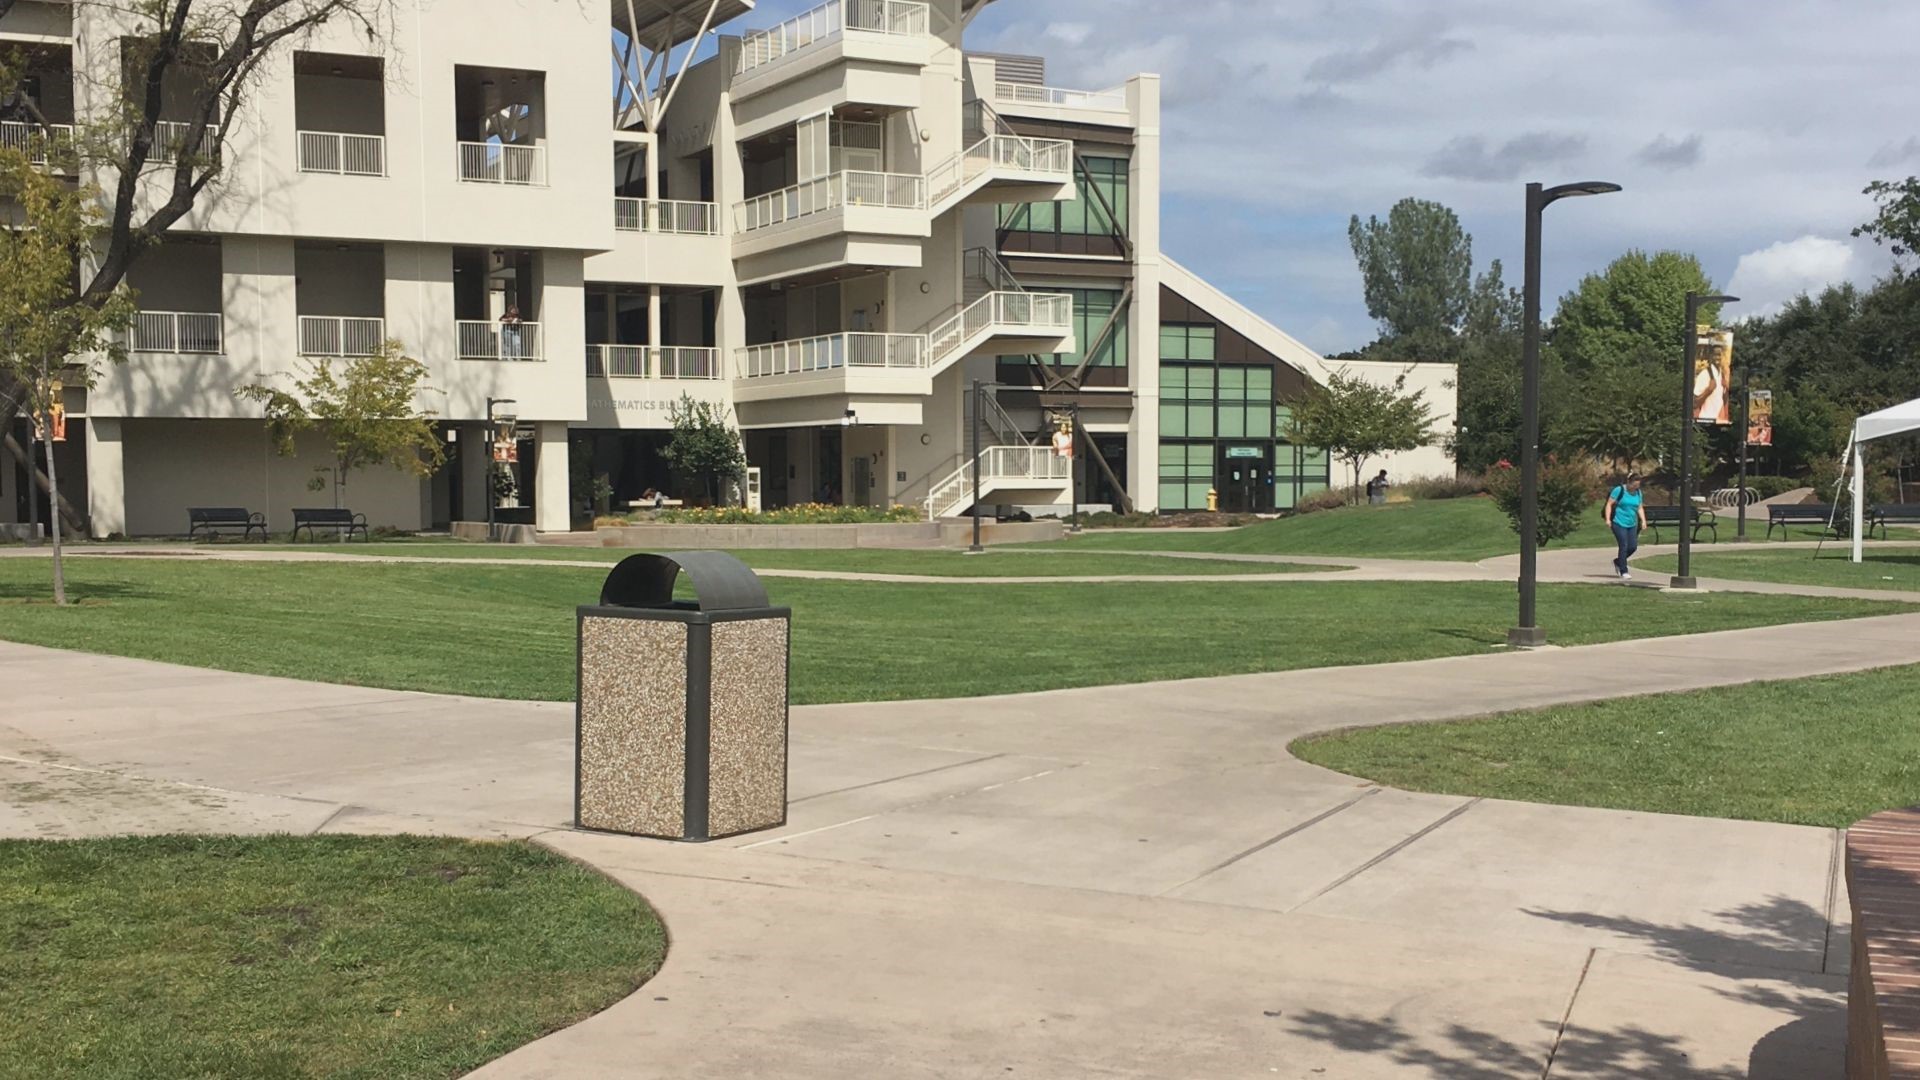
{"type": "Point", "coordinates": [803, 514]}
{"type": "Point", "coordinates": [1330, 499]}
{"type": "Point", "coordinates": [1567, 492]}
{"type": "Point", "coordinates": [1464, 486]}
{"type": "Point", "coordinates": [1826, 474]}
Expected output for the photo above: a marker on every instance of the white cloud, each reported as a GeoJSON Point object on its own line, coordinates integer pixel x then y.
{"type": "Point", "coordinates": [1072, 33]}
{"type": "Point", "coordinates": [1896, 154]}
{"type": "Point", "coordinates": [1766, 279]}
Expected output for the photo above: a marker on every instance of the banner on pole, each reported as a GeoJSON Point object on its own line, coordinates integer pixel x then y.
{"type": "Point", "coordinates": [1760, 418]}
{"type": "Point", "coordinates": [1713, 377]}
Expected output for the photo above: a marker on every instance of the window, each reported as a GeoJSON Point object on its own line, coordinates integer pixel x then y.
{"type": "Point", "coordinates": [1189, 341]}
{"type": "Point", "coordinates": [1204, 405]}
{"type": "Point", "coordinates": [1091, 309]}
{"type": "Point", "coordinates": [1086, 215]}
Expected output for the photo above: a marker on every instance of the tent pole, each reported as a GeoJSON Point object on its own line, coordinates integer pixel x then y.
{"type": "Point", "coordinates": [1859, 499]}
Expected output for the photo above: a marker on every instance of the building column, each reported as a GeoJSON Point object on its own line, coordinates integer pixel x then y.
{"type": "Point", "coordinates": [552, 493]}
{"type": "Point", "coordinates": [476, 462]}
{"type": "Point", "coordinates": [1143, 330]}
{"type": "Point", "coordinates": [106, 478]}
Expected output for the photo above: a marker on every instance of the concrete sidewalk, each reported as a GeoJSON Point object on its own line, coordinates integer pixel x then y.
{"type": "Point", "coordinates": [1127, 881]}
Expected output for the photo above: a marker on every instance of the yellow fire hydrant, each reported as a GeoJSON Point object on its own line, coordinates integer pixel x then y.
{"type": "Point", "coordinates": [1213, 501]}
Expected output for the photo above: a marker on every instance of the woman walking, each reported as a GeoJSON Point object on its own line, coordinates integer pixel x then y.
{"type": "Point", "coordinates": [1627, 517]}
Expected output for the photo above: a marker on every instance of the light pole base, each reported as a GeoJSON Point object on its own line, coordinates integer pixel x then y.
{"type": "Point", "coordinates": [1683, 583]}
{"type": "Point", "coordinates": [1742, 540]}
{"type": "Point", "coordinates": [1526, 637]}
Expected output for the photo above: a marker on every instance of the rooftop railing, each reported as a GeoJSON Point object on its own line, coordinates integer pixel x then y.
{"type": "Point", "coordinates": [1028, 94]}
{"type": "Point", "coordinates": [831, 20]}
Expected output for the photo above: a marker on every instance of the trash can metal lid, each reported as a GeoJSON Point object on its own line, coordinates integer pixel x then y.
{"type": "Point", "coordinates": [720, 582]}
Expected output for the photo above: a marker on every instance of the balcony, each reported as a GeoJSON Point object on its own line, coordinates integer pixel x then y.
{"type": "Point", "coordinates": [1017, 95]}
{"type": "Point", "coordinates": [646, 362]}
{"type": "Point", "coordinates": [833, 21]}
{"type": "Point", "coordinates": [30, 140]}
{"type": "Point", "coordinates": [893, 191]}
{"type": "Point", "coordinates": [515, 164]}
{"type": "Point", "coordinates": [182, 332]}
{"type": "Point", "coordinates": [342, 154]}
{"type": "Point", "coordinates": [835, 352]}
{"type": "Point", "coordinates": [341, 336]}
{"type": "Point", "coordinates": [170, 140]}
{"type": "Point", "coordinates": [669, 216]}
{"type": "Point", "coordinates": [500, 341]}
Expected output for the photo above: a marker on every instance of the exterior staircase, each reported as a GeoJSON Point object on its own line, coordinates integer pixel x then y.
{"type": "Point", "coordinates": [1010, 464]}
{"type": "Point", "coordinates": [996, 306]}
{"type": "Point", "coordinates": [995, 154]}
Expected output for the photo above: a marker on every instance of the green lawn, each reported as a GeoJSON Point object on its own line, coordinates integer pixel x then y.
{"type": "Point", "coordinates": [1459, 530]}
{"type": "Point", "coordinates": [508, 631]}
{"type": "Point", "coordinates": [994, 562]}
{"type": "Point", "coordinates": [1825, 751]}
{"type": "Point", "coordinates": [1885, 567]}
{"type": "Point", "coordinates": [331, 956]}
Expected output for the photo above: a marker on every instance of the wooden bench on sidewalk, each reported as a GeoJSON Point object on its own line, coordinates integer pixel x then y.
{"type": "Point", "coordinates": [1883, 999]}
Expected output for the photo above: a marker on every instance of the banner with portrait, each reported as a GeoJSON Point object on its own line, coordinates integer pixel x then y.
{"type": "Point", "coordinates": [1760, 418]}
{"type": "Point", "coordinates": [1713, 377]}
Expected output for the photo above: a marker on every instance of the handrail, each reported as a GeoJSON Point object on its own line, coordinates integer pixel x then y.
{"type": "Point", "coordinates": [343, 153]}
{"type": "Point", "coordinates": [200, 332]}
{"type": "Point", "coordinates": [901, 191]}
{"type": "Point", "coordinates": [516, 164]}
{"type": "Point", "coordinates": [484, 340]}
{"type": "Point", "coordinates": [170, 138]}
{"type": "Point", "coordinates": [1028, 94]}
{"type": "Point", "coordinates": [833, 352]}
{"type": "Point", "coordinates": [32, 140]}
{"type": "Point", "coordinates": [998, 463]}
{"type": "Point", "coordinates": [828, 21]}
{"type": "Point", "coordinates": [999, 151]}
{"type": "Point", "coordinates": [1051, 311]}
{"type": "Point", "coordinates": [648, 362]}
{"type": "Point", "coordinates": [676, 216]}
{"type": "Point", "coordinates": [341, 335]}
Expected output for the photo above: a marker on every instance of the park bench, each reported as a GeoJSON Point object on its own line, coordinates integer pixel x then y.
{"type": "Point", "coordinates": [1670, 515]}
{"type": "Point", "coordinates": [344, 523]}
{"type": "Point", "coordinates": [1883, 887]}
{"type": "Point", "coordinates": [1785, 517]}
{"type": "Point", "coordinates": [1892, 513]}
{"type": "Point", "coordinates": [212, 521]}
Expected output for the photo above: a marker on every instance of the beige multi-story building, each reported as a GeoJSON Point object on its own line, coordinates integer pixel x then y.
{"type": "Point", "coordinates": [833, 228]}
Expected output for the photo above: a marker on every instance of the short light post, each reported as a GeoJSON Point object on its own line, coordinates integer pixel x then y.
{"type": "Point", "coordinates": [499, 414]}
{"type": "Point", "coordinates": [1695, 301]}
{"type": "Point", "coordinates": [1529, 634]}
{"type": "Point", "coordinates": [979, 401]}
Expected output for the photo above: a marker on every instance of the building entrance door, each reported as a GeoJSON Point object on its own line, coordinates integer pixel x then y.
{"type": "Point", "coordinates": [862, 481]}
{"type": "Point", "coordinates": [1243, 475]}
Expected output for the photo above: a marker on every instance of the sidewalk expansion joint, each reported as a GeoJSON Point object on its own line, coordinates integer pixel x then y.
{"type": "Point", "coordinates": [1291, 830]}
{"type": "Point", "coordinates": [1566, 1018]}
{"type": "Point", "coordinates": [895, 779]}
{"type": "Point", "coordinates": [1837, 854]}
{"type": "Point", "coordinates": [1388, 854]}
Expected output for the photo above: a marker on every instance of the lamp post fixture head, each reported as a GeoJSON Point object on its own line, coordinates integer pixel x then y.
{"type": "Point", "coordinates": [1698, 299]}
{"type": "Point", "coordinates": [1577, 189]}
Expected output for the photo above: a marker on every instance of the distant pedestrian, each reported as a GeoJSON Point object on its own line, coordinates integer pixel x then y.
{"type": "Point", "coordinates": [511, 333]}
{"type": "Point", "coordinates": [1627, 517]}
{"type": "Point", "coordinates": [1377, 489]}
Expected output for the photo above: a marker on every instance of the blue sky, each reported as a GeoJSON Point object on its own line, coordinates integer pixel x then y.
{"type": "Point", "coordinates": [1743, 130]}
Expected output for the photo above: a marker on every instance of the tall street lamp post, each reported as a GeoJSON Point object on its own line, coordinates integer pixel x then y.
{"type": "Point", "coordinates": [1695, 301]}
{"type": "Point", "coordinates": [1529, 634]}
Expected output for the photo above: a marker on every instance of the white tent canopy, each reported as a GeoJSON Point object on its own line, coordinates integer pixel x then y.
{"type": "Point", "coordinates": [1884, 424]}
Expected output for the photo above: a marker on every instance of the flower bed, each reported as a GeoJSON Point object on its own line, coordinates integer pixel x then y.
{"type": "Point", "coordinates": [804, 514]}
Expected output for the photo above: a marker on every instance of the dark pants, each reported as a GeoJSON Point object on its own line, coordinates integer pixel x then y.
{"type": "Point", "coordinates": [1629, 541]}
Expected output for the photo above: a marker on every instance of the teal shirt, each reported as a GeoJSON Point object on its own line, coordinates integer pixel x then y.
{"type": "Point", "coordinates": [1626, 507]}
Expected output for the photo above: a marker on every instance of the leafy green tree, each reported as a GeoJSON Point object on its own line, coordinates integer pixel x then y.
{"type": "Point", "coordinates": [704, 445]}
{"type": "Point", "coordinates": [1628, 414]}
{"type": "Point", "coordinates": [1354, 420]}
{"type": "Point", "coordinates": [1416, 269]}
{"type": "Point", "coordinates": [1897, 225]}
{"type": "Point", "coordinates": [1630, 311]}
{"type": "Point", "coordinates": [1567, 493]}
{"type": "Point", "coordinates": [48, 338]}
{"type": "Point", "coordinates": [365, 409]}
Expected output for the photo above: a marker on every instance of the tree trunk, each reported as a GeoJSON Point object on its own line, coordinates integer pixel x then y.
{"type": "Point", "coordinates": [67, 512]}
{"type": "Point", "coordinates": [53, 524]}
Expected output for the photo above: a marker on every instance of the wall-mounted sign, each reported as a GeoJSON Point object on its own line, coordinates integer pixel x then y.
{"type": "Point", "coordinates": [1245, 452]}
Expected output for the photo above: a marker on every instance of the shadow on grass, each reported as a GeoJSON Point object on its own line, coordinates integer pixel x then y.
{"type": "Point", "coordinates": [93, 592]}
{"type": "Point", "coordinates": [1810, 1043]}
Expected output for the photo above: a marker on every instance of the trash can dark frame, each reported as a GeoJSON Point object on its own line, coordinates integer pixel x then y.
{"type": "Point", "coordinates": [627, 582]}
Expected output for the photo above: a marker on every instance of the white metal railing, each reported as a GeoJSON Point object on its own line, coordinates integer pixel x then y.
{"type": "Point", "coordinates": [644, 362]}
{"type": "Point", "coordinates": [1003, 311]}
{"type": "Point", "coordinates": [899, 191]}
{"type": "Point", "coordinates": [831, 352]}
{"type": "Point", "coordinates": [170, 140]}
{"type": "Point", "coordinates": [1028, 94]}
{"type": "Point", "coordinates": [665, 216]}
{"type": "Point", "coordinates": [830, 20]}
{"type": "Point", "coordinates": [176, 332]}
{"type": "Point", "coordinates": [998, 464]}
{"type": "Point", "coordinates": [503, 163]}
{"type": "Point", "coordinates": [343, 154]}
{"type": "Point", "coordinates": [1000, 151]}
{"type": "Point", "coordinates": [31, 140]}
{"type": "Point", "coordinates": [500, 341]}
{"type": "Point", "coordinates": [341, 335]}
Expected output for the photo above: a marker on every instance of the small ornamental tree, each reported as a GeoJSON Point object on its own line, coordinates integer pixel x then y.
{"type": "Point", "coordinates": [1566, 494]}
{"type": "Point", "coordinates": [364, 408]}
{"type": "Point", "coordinates": [1353, 420]}
{"type": "Point", "coordinates": [704, 445]}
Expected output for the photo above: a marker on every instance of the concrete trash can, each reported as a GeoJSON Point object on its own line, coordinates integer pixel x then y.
{"type": "Point", "coordinates": [680, 726]}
